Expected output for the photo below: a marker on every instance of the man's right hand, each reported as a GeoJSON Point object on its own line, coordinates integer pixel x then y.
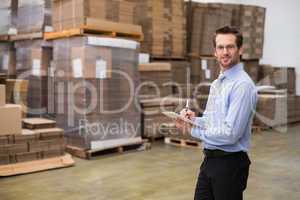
{"type": "Point", "coordinates": [182, 125]}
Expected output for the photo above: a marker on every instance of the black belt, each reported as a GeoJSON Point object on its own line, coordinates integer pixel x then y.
{"type": "Point", "coordinates": [218, 153]}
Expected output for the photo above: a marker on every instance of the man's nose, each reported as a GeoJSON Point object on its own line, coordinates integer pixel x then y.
{"type": "Point", "coordinates": [225, 50]}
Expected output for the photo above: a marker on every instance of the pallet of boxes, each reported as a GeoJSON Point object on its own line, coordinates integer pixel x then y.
{"type": "Point", "coordinates": [164, 30]}
{"type": "Point", "coordinates": [278, 104]}
{"type": "Point", "coordinates": [95, 76]}
{"type": "Point", "coordinates": [38, 146]}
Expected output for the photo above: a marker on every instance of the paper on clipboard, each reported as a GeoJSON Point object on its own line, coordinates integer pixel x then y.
{"type": "Point", "coordinates": [174, 115]}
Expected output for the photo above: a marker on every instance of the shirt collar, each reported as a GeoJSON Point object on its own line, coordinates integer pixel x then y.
{"type": "Point", "coordinates": [230, 73]}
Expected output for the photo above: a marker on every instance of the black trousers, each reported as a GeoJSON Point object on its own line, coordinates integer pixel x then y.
{"type": "Point", "coordinates": [223, 177]}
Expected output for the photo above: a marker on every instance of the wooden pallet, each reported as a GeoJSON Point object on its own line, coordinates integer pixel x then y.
{"type": "Point", "coordinates": [92, 26]}
{"type": "Point", "coordinates": [167, 58]}
{"type": "Point", "coordinates": [182, 142]}
{"type": "Point", "coordinates": [256, 129]}
{"type": "Point", "coordinates": [89, 31]}
{"type": "Point", "coordinates": [4, 38]}
{"type": "Point", "coordinates": [89, 154]}
{"type": "Point", "coordinates": [154, 138]}
{"type": "Point", "coordinates": [36, 165]}
{"type": "Point", "coordinates": [38, 123]}
{"type": "Point", "coordinates": [27, 36]}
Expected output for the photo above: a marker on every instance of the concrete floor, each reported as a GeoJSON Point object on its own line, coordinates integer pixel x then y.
{"type": "Point", "coordinates": [164, 172]}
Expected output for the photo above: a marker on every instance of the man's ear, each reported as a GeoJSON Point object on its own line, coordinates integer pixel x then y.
{"type": "Point", "coordinates": [215, 52]}
{"type": "Point", "coordinates": [241, 50]}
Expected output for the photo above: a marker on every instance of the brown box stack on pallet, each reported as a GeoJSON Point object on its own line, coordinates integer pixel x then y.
{"type": "Point", "coordinates": [95, 79]}
{"type": "Point", "coordinates": [253, 69]}
{"type": "Point", "coordinates": [156, 124]}
{"type": "Point", "coordinates": [33, 16]}
{"type": "Point", "coordinates": [152, 117]}
{"type": "Point", "coordinates": [7, 59]}
{"type": "Point", "coordinates": [271, 110]}
{"type": "Point", "coordinates": [283, 79]}
{"type": "Point", "coordinates": [73, 13]}
{"type": "Point", "coordinates": [33, 59]}
{"type": "Point", "coordinates": [154, 78]}
{"type": "Point", "coordinates": [204, 20]}
{"type": "Point", "coordinates": [17, 93]}
{"type": "Point", "coordinates": [204, 69]}
{"type": "Point", "coordinates": [251, 22]}
{"type": "Point", "coordinates": [8, 10]}
{"type": "Point", "coordinates": [181, 72]}
{"type": "Point", "coordinates": [280, 77]}
{"type": "Point", "coordinates": [293, 103]}
{"type": "Point", "coordinates": [39, 140]}
{"type": "Point", "coordinates": [164, 27]}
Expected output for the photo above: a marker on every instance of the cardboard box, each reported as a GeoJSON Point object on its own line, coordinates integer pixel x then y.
{"type": "Point", "coordinates": [2, 95]}
{"type": "Point", "coordinates": [11, 149]}
{"type": "Point", "coordinates": [28, 156]}
{"type": "Point", "coordinates": [33, 16]}
{"type": "Point", "coordinates": [10, 119]}
{"type": "Point", "coordinates": [5, 139]}
{"type": "Point", "coordinates": [52, 153]}
{"type": "Point", "coordinates": [50, 133]}
{"type": "Point", "coordinates": [36, 123]}
{"type": "Point", "coordinates": [4, 159]}
{"type": "Point", "coordinates": [45, 145]}
{"type": "Point", "coordinates": [26, 136]}
{"type": "Point", "coordinates": [72, 13]}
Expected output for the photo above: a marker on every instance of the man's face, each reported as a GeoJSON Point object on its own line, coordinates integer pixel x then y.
{"type": "Point", "coordinates": [226, 50]}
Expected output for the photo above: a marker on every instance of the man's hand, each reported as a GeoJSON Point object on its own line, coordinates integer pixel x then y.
{"type": "Point", "coordinates": [182, 125]}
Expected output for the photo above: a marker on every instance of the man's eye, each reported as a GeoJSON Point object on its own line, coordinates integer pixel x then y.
{"type": "Point", "coordinates": [228, 47]}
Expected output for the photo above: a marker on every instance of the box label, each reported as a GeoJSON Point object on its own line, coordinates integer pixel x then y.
{"type": "Point", "coordinates": [36, 67]}
{"type": "Point", "coordinates": [5, 59]}
{"type": "Point", "coordinates": [101, 69]}
{"type": "Point", "coordinates": [207, 74]}
{"type": "Point", "coordinates": [204, 64]}
{"type": "Point", "coordinates": [77, 68]}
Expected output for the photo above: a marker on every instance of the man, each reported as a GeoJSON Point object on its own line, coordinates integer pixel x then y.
{"type": "Point", "coordinates": [225, 126]}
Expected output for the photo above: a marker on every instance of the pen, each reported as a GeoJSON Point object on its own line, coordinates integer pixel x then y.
{"type": "Point", "coordinates": [187, 105]}
{"type": "Point", "coordinates": [187, 108]}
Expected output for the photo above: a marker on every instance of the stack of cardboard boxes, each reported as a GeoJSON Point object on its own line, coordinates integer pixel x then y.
{"type": "Point", "coordinates": [33, 59]}
{"type": "Point", "coordinates": [207, 17]}
{"type": "Point", "coordinates": [277, 107]}
{"type": "Point", "coordinates": [67, 14]}
{"type": "Point", "coordinates": [164, 27]}
{"type": "Point", "coordinates": [39, 139]}
{"type": "Point", "coordinates": [95, 81]}
{"type": "Point", "coordinates": [7, 59]}
{"type": "Point", "coordinates": [152, 117]}
{"type": "Point", "coordinates": [33, 16]}
{"type": "Point", "coordinates": [155, 78]}
{"type": "Point", "coordinates": [8, 9]}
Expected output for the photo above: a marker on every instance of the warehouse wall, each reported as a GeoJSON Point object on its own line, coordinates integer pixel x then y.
{"type": "Point", "coordinates": [282, 33]}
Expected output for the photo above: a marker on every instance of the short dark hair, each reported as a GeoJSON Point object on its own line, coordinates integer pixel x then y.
{"type": "Point", "coordinates": [230, 30]}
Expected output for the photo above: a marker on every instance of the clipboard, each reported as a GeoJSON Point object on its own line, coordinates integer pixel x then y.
{"type": "Point", "coordinates": [175, 116]}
